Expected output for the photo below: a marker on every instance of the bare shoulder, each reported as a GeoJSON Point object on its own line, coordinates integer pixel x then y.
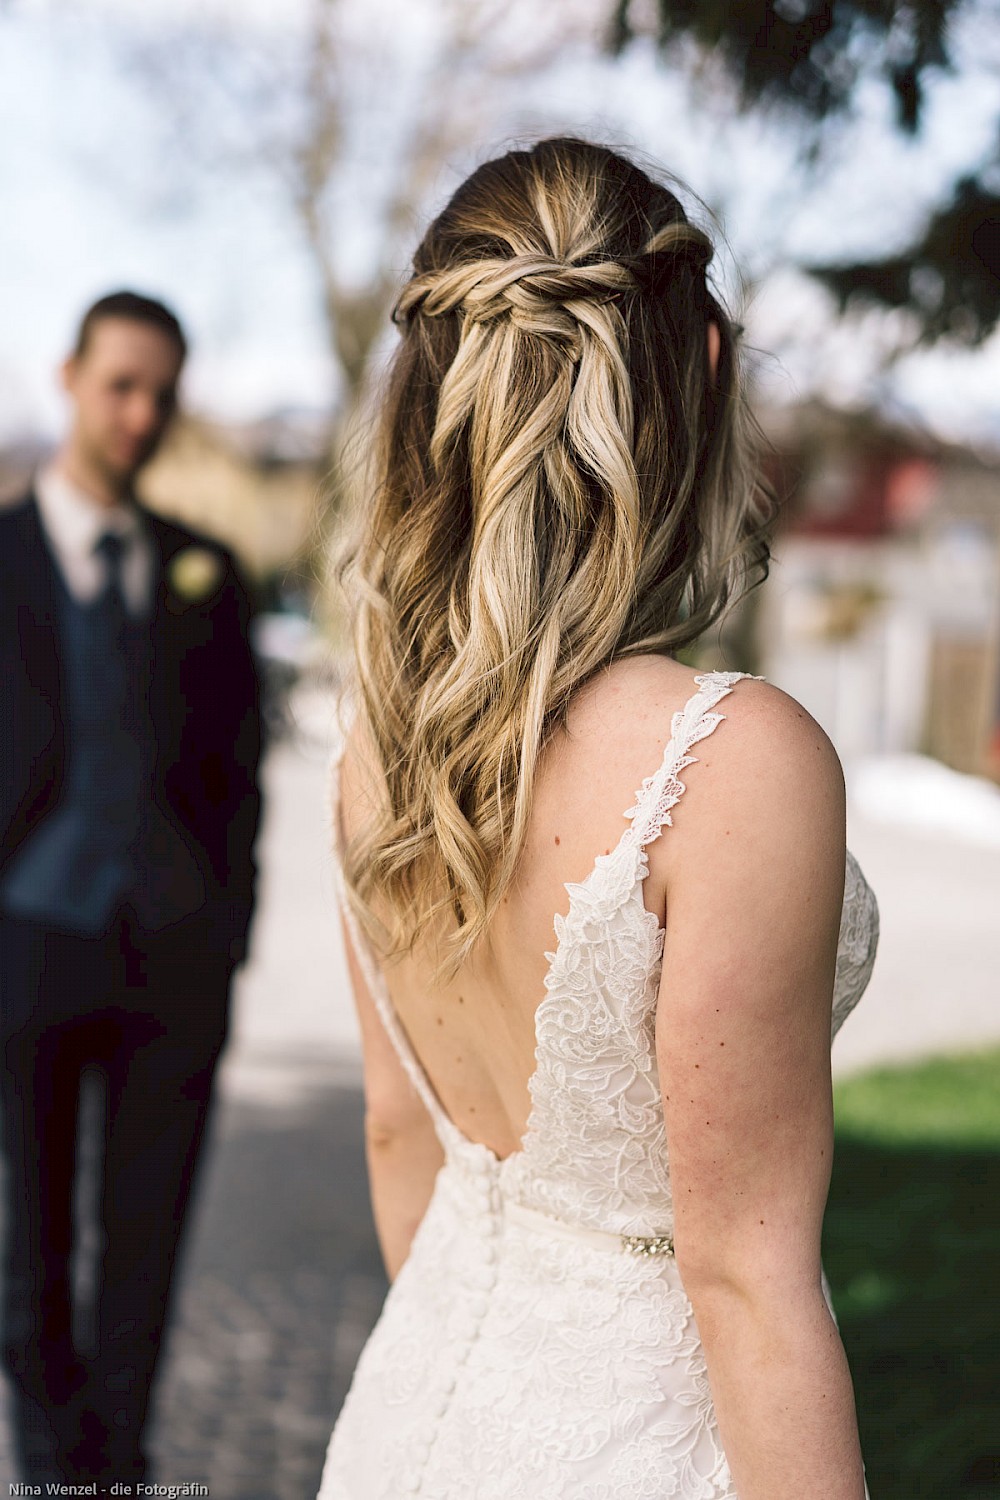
{"type": "Point", "coordinates": [766, 729]}
{"type": "Point", "coordinates": [762, 826]}
{"type": "Point", "coordinates": [769, 739]}
{"type": "Point", "coordinates": [771, 762]}
{"type": "Point", "coordinates": [767, 778]}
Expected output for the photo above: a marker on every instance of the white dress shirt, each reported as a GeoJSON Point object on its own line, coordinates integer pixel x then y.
{"type": "Point", "coordinates": [74, 522]}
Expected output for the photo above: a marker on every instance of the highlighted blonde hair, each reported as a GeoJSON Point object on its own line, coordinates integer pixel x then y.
{"type": "Point", "coordinates": [561, 483]}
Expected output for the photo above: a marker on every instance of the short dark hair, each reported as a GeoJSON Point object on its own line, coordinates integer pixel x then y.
{"type": "Point", "coordinates": [137, 309]}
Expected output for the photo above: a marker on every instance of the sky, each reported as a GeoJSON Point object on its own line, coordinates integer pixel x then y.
{"type": "Point", "coordinates": [112, 176]}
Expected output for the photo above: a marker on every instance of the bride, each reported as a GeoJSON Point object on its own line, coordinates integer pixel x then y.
{"type": "Point", "coordinates": [597, 1066]}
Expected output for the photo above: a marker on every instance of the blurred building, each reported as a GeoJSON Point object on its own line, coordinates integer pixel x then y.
{"type": "Point", "coordinates": [256, 486]}
{"type": "Point", "coordinates": [18, 461]}
{"type": "Point", "coordinates": [881, 613]}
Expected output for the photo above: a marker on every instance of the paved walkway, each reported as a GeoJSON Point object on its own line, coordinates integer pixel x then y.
{"type": "Point", "coordinates": [282, 1279]}
{"type": "Point", "coordinates": [936, 984]}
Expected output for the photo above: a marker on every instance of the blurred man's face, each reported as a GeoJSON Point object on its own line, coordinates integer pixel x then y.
{"type": "Point", "coordinates": [124, 392]}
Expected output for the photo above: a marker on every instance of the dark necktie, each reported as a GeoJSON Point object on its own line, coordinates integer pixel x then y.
{"type": "Point", "coordinates": [111, 602]}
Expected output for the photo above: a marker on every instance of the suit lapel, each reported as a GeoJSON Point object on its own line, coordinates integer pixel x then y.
{"type": "Point", "coordinates": [38, 585]}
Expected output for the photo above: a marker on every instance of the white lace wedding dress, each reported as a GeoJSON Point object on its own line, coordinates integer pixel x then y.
{"type": "Point", "coordinates": [538, 1343]}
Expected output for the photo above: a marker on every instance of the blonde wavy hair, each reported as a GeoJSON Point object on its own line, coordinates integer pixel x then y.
{"type": "Point", "coordinates": [561, 482]}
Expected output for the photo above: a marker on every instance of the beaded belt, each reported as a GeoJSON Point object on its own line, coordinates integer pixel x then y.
{"type": "Point", "coordinates": [605, 1239]}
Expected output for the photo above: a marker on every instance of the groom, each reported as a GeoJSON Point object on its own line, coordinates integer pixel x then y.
{"type": "Point", "coordinates": [129, 739]}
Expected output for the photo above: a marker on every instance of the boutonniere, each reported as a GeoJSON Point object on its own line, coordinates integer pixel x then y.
{"type": "Point", "coordinates": [194, 574]}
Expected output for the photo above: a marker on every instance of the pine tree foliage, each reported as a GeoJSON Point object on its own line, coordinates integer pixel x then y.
{"type": "Point", "coordinates": [805, 59]}
{"type": "Point", "coordinates": [950, 278]}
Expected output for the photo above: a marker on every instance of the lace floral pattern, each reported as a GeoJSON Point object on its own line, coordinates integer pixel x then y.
{"type": "Point", "coordinates": [511, 1362]}
{"type": "Point", "coordinates": [859, 928]}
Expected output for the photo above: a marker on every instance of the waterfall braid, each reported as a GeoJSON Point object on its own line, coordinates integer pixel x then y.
{"type": "Point", "coordinates": [561, 483]}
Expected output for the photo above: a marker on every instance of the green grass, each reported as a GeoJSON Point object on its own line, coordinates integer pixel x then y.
{"type": "Point", "coordinates": [912, 1250]}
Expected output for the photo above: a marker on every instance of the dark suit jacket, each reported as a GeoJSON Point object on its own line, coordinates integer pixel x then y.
{"type": "Point", "coordinates": [204, 705]}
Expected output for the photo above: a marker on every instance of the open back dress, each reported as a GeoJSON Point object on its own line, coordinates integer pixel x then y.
{"type": "Point", "coordinates": [538, 1343]}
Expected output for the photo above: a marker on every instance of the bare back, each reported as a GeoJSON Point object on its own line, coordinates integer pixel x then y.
{"type": "Point", "coordinates": [475, 1035]}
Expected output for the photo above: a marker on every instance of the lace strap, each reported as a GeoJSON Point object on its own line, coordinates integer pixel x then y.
{"type": "Point", "coordinates": [374, 979]}
{"type": "Point", "coordinates": [694, 722]}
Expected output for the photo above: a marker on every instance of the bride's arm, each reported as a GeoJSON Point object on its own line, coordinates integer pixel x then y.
{"type": "Point", "coordinates": [402, 1149]}
{"type": "Point", "coordinates": [755, 881]}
